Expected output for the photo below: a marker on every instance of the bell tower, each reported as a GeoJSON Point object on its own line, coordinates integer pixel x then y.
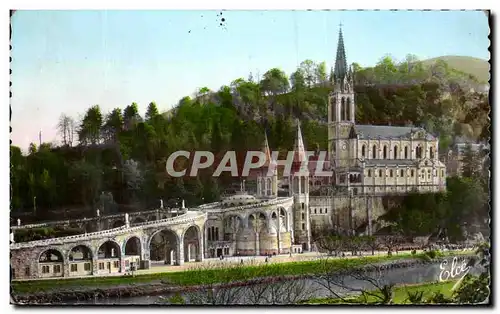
{"type": "Point", "coordinates": [341, 108]}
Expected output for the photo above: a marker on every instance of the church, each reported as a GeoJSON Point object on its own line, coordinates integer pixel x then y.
{"type": "Point", "coordinates": [376, 159]}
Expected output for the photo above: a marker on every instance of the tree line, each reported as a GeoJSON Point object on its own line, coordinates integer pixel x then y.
{"type": "Point", "coordinates": [124, 153]}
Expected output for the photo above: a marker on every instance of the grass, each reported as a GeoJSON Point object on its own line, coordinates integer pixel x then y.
{"type": "Point", "coordinates": [202, 275]}
{"type": "Point", "coordinates": [400, 294]}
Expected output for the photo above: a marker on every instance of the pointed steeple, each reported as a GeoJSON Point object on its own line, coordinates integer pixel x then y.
{"type": "Point", "coordinates": [341, 60]}
{"type": "Point", "coordinates": [298, 147]}
{"type": "Point", "coordinates": [266, 150]}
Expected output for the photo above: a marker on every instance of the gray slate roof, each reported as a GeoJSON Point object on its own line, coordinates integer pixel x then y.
{"type": "Point", "coordinates": [387, 132]}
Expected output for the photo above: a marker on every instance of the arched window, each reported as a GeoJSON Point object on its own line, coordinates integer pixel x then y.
{"type": "Point", "coordinates": [334, 111]}
{"type": "Point", "coordinates": [402, 173]}
{"type": "Point", "coordinates": [374, 152]}
{"type": "Point", "coordinates": [431, 152]}
{"type": "Point", "coordinates": [348, 109]}
{"type": "Point", "coordinates": [419, 152]}
{"type": "Point", "coordinates": [342, 109]}
{"type": "Point", "coordinates": [391, 173]}
{"type": "Point", "coordinates": [396, 152]}
{"type": "Point", "coordinates": [385, 152]}
{"type": "Point", "coordinates": [406, 152]}
{"type": "Point", "coordinates": [363, 150]}
{"type": "Point", "coordinates": [380, 172]}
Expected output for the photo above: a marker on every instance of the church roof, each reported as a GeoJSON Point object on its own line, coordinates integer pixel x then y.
{"type": "Point", "coordinates": [387, 132]}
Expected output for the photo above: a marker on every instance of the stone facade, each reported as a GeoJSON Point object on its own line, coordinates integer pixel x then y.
{"type": "Point", "coordinates": [377, 159]}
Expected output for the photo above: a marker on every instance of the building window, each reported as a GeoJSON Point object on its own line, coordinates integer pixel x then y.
{"type": "Point", "coordinates": [45, 269]}
{"type": "Point", "coordinates": [315, 211]}
{"type": "Point", "coordinates": [326, 210]}
{"type": "Point", "coordinates": [374, 151]}
{"type": "Point", "coordinates": [302, 204]}
{"type": "Point", "coordinates": [57, 269]}
{"type": "Point", "coordinates": [390, 173]}
{"type": "Point", "coordinates": [303, 216]}
{"type": "Point", "coordinates": [363, 149]}
{"type": "Point", "coordinates": [369, 173]}
{"type": "Point", "coordinates": [402, 173]}
{"type": "Point", "coordinates": [127, 263]}
{"type": "Point", "coordinates": [116, 264]}
{"type": "Point", "coordinates": [385, 152]}
{"type": "Point", "coordinates": [442, 173]}
{"type": "Point", "coordinates": [101, 266]}
{"type": "Point", "coordinates": [26, 271]}
{"type": "Point", "coordinates": [406, 152]}
{"type": "Point", "coordinates": [74, 268]}
{"type": "Point", "coordinates": [419, 152]}
{"type": "Point", "coordinates": [396, 152]}
{"type": "Point", "coordinates": [86, 266]}
{"type": "Point", "coordinates": [431, 153]}
{"type": "Point", "coordinates": [321, 210]}
{"type": "Point", "coordinates": [380, 172]}
{"type": "Point", "coordinates": [303, 226]}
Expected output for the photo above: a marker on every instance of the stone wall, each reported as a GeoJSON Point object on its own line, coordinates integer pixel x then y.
{"type": "Point", "coordinates": [333, 211]}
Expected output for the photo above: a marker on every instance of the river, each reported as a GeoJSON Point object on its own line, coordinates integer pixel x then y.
{"type": "Point", "coordinates": [292, 291]}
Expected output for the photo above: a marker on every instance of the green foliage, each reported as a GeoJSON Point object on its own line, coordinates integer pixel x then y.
{"type": "Point", "coordinates": [236, 117]}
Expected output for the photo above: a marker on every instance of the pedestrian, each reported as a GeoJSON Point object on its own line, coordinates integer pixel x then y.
{"type": "Point", "coordinates": [241, 261]}
{"type": "Point", "coordinates": [266, 259]}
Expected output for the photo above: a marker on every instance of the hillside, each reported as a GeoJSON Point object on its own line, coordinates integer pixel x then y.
{"type": "Point", "coordinates": [478, 67]}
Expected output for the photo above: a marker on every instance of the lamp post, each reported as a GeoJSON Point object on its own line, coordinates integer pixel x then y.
{"type": "Point", "coordinates": [34, 205]}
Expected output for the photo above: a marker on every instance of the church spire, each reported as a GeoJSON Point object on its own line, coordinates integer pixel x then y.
{"type": "Point", "coordinates": [299, 148]}
{"type": "Point", "coordinates": [340, 71]}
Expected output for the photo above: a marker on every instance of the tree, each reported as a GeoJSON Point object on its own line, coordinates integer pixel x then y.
{"type": "Point", "coordinates": [113, 125]}
{"type": "Point", "coordinates": [90, 127]}
{"type": "Point", "coordinates": [66, 129]}
{"type": "Point", "coordinates": [151, 112]}
{"type": "Point", "coordinates": [471, 163]}
{"type": "Point", "coordinates": [321, 76]}
{"type": "Point", "coordinates": [310, 71]}
{"type": "Point", "coordinates": [131, 116]}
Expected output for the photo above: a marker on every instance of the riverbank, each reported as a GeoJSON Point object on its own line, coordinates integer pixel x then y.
{"type": "Point", "coordinates": [59, 291]}
{"type": "Point", "coordinates": [400, 296]}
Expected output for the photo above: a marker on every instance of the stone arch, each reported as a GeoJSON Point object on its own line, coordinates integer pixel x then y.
{"type": "Point", "coordinates": [118, 224]}
{"type": "Point", "coordinates": [283, 214]}
{"type": "Point", "coordinates": [191, 238]}
{"type": "Point", "coordinates": [163, 246]}
{"type": "Point", "coordinates": [132, 245]}
{"type": "Point", "coordinates": [85, 251]}
{"type": "Point", "coordinates": [363, 150]}
{"type": "Point", "coordinates": [396, 152]}
{"type": "Point", "coordinates": [406, 152]}
{"type": "Point", "coordinates": [385, 152]}
{"type": "Point", "coordinates": [374, 151]}
{"type": "Point", "coordinates": [233, 224]}
{"type": "Point", "coordinates": [48, 254]}
{"type": "Point", "coordinates": [51, 263]}
{"type": "Point", "coordinates": [110, 249]}
{"type": "Point", "coordinates": [334, 108]}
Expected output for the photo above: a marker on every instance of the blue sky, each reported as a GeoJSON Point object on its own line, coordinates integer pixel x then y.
{"type": "Point", "coordinates": [66, 61]}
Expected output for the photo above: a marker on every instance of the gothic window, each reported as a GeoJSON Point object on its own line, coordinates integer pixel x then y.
{"type": "Point", "coordinates": [369, 173]}
{"type": "Point", "coordinates": [419, 152]}
{"type": "Point", "coordinates": [315, 211]}
{"type": "Point", "coordinates": [391, 173]}
{"type": "Point", "coordinates": [303, 216]}
{"type": "Point", "coordinates": [431, 153]}
{"type": "Point", "coordinates": [363, 150]}
{"type": "Point", "coordinates": [402, 173]}
{"type": "Point", "coordinates": [302, 205]}
{"type": "Point", "coordinates": [374, 152]}
{"type": "Point", "coordinates": [396, 152]}
{"type": "Point", "coordinates": [380, 173]}
{"type": "Point", "coordinates": [348, 109]}
{"type": "Point", "coordinates": [412, 173]}
{"type": "Point", "coordinates": [303, 226]}
{"type": "Point", "coordinates": [334, 111]}
{"type": "Point", "coordinates": [342, 109]}
{"type": "Point", "coordinates": [321, 210]}
{"type": "Point", "coordinates": [326, 210]}
{"type": "Point", "coordinates": [406, 152]}
{"type": "Point", "coordinates": [385, 152]}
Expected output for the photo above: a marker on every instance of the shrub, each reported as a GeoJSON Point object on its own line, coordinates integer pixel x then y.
{"type": "Point", "coordinates": [414, 252]}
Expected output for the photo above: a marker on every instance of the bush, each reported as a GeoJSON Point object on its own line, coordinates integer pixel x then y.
{"type": "Point", "coordinates": [413, 252]}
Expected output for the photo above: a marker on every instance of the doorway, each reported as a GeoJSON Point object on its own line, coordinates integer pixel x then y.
{"type": "Point", "coordinates": [219, 252]}
{"type": "Point", "coordinates": [109, 267]}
